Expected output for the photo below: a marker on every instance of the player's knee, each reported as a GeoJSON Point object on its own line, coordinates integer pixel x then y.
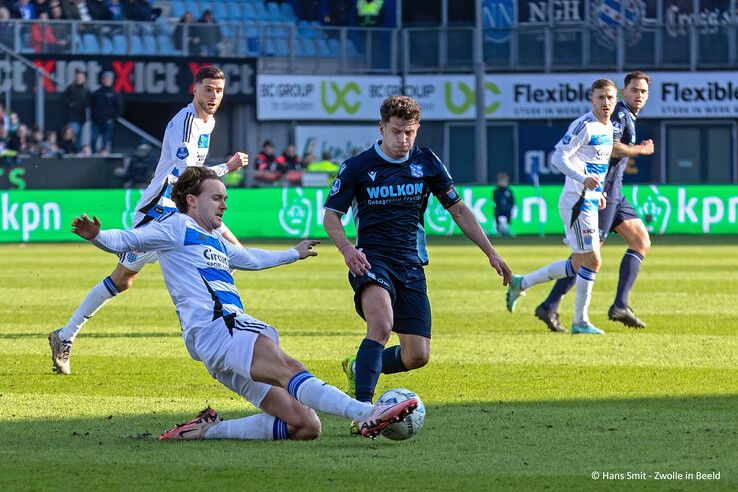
{"type": "Point", "coordinates": [416, 359]}
{"type": "Point", "coordinates": [308, 429]}
{"type": "Point", "coordinates": [379, 331]}
{"type": "Point", "coordinates": [123, 281]}
{"type": "Point", "coordinates": [642, 245]}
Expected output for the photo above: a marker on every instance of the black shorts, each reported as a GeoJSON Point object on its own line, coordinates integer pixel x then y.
{"type": "Point", "coordinates": [407, 290]}
{"type": "Point", "coordinates": [614, 214]}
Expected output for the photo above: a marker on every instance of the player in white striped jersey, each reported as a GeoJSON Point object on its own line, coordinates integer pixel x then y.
{"type": "Point", "coordinates": [186, 143]}
{"type": "Point", "coordinates": [582, 155]}
{"type": "Point", "coordinates": [238, 350]}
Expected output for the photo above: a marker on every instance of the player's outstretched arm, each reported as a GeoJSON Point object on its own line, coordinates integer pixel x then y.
{"type": "Point", "coordinates": [260, 259]}
{"type": "Point", "coordinates": [305, 248]}
{"type": "Point", "coordinates": [86, 228]}
{"type": "Point", "coordinates": [468, 224]}
{"type": "Point", "coordinates": [620, 150]}
{"type": "Point", "coordinates": [355, 259]}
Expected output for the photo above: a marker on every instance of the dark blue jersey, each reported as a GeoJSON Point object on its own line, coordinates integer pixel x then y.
{"type": "Point", "coordinates": [623, 131]}
{"type": "Point", "coordinates": [388, 198]}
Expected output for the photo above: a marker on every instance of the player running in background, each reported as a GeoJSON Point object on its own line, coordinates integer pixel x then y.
{"type": "Point", "coordinates": [618, 215]}
{"type": "Point", "coordinates": [238, 350]}
{"type": "Point", "coordinates": [582, 155]}
{"type": "Point", "coordinates": [186, 143]}
{"type": "Point", "coordinates": [388, 187]}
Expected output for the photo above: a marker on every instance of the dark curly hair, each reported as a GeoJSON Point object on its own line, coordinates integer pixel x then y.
{"type": "Point", "coordinates": [190, 183]}
{"type": "Point", "coordinates": [403, 107]}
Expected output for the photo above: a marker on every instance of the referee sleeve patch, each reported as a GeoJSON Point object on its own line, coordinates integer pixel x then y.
{"type": "Point", "coordinates": [182, 152]}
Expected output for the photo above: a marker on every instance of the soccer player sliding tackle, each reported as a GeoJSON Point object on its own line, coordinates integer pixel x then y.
{"type": "Point", "coordinates": [238, 350]}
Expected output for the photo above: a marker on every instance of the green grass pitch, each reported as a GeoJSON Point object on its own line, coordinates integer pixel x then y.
{"type": "Point", "coordinates": [510, 405]}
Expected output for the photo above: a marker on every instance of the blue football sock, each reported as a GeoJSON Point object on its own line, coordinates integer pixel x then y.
{"type": "Point", "coordinates": [560, 288]}
{"type": "Point", "coordinates": [392, 361]}
{"type": "Point", "coordinates": [367, 369]}
{"type": "Point", "coordinates": [629, 268]}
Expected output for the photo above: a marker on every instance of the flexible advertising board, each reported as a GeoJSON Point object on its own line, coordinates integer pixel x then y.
{"type": "Point", "coordinates": [507, 96]}
{"type": "Point", "coordinates": [314, 97]}
{"type": "Point", "coordinates": [35, 216]}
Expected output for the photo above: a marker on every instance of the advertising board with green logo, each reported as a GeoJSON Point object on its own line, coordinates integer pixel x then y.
{"type": "Point", "coordinates": [45, 215]}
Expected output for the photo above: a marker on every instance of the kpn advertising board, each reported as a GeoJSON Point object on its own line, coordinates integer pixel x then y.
{"type": "Point", "coordinates": [45, 215]}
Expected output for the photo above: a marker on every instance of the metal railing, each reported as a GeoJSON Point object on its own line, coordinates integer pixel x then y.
{"type": "Point", "coordinates": [301, 48]}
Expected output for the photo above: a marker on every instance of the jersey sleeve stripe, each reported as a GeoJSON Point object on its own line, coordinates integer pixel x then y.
{"type": "Point", "coordinates": [187, 127]}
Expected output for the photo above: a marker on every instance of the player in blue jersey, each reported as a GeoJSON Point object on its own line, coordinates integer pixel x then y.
{"type": "Point", "coordinates": [582, 155]}
{"type": "Point", "coordinates": [238, 350]}
{"type": "Point", "coordinates": [388, 186]}
{"type": "Point", "coordinates": [619, 215]}
{"type": "Point", "coordinates": [186, 143]}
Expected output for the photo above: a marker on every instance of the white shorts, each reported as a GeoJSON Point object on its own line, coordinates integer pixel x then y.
{"type": "Point", "coordinates": [136, 260]}
{"type": "Point", "coordinates": [228, 352]}
{"type": "Point", "coordinates": [582, 236]}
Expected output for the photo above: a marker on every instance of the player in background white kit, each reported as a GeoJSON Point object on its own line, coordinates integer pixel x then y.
{"type": "Point", "coordinates": [238, 350]}
{"type": "Point", "coordinates": [582, 156]}
{"type": "Point", "coordinates": [186, 143]}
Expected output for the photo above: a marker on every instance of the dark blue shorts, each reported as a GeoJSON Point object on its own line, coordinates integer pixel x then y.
{"type": "Point", "coordinates": [614, 214]}
{"type": "Point", "coordinates": [407, 289]}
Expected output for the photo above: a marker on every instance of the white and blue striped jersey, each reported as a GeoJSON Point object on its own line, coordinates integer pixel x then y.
{"type": "Point", "coordinates": [186, 143]}
{"type": "Point", "coordinates": [584, 151]}
{"type": "Point", "coordinates": [196, 264]}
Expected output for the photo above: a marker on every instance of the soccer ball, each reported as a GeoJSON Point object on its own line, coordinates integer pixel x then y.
{"type": "Point", "coordinates": [408, 427]}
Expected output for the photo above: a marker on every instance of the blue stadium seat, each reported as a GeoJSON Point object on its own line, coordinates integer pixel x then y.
{"type": "Point", "coordinates": [178, 8]}
{"type": "Point", "coordinates": [222, 12]}
{"type": "Point", "coordinates": [137, 47]}
{"type": "Point", "coordinates": [120, 46]}
{"type": "Point", "coordinates": [106, 45]}
{"type": "Point", "coordinates": [305, 47]}
{"type": "Point", "coordinates": [273, 12]}
{"type": "Point", "coordinates": [166, 46]}
{"type": "Point", "coordinates": [149, 44]}
{"type": "Point", "coordinates": [90, 44]}
{"type": "Point", "coordinates": [194, 8]}
{"type": "Point", "coordinates": [288, 13]}
{"type": "Point", "coordinates": [260, 11]}
{"type": "Point", "coordinates": [324, 50]}
{"type": "Point", "coordinates": [335, 46]}
{"type": "Point", "coordinates": [248, 13]}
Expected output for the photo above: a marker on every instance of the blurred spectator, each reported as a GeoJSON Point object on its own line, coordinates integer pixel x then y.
{"type": "Point", "coordinates": [76, 97]}
{"type": "Point", "coordinates": [35, 139]}
{"type": "Point", "coordinates": [49, 147]}
{"type": "Point", "coordinates": [292, 164]}
{"type": "Point", "coordinates": [268, 170]}
{"type": "Point", "coordinates": [68, 142]}
{"type": "Point", "coordinates": [141, 10]}
{"type": "Point", "coordinates": [106, 106]}
{"type": "Point", "coordinates": [42, 38]}
{"type": "Point", "coordinates": [308, 159]}
{"type": "Point", "coordinates": [7, 156]}
{"type": "Point", "coordinates": [4, 118]}
{"type": "Point", "coordinates": [24, 10]}
{"type": "Point", "coordinates": [181, 32]}
{"type": "Point", "coordinates": [137, 170]}
{"type": "Point", "coordinates": [289, 159]}
{"type": "Point", "coordinates": [62, 31]}
{"type": "Point", "coordinates": [504, 203]}
{"type": "Point", "coordinates": [18, 138]}
{"type": "Point", "coordinates": [7, 34]}
{"type": "Point", "coordinates": [85, 151]}
{"type": "Point", "coordinates": [209, 34]}
{"type": "Point", "coordinates": [13, 122]}
{"type": "Point", "coordinates": [325, 166]}
{"type": "Point", "coordinates": [41, 6]}
{"type": "Point", "coordinates": [116, 10]}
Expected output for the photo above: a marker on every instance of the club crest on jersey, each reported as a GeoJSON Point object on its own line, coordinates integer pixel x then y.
{"type": "Point", "coordinates": [451, 194]}
{"type": "Point", "coordinates": [416, 170]}
{"type": "Point", "coordinates": [566, 139]}
{"type": "Point", "coordinates": [182, 152]}
{"type": "Point", "coordinates": [204, 141]}
{"type": "Point", "coordinates": [617, 126]}
{"type": "Point", "coordinates": [372, 175]}
{"type": "Point", "coordinates": [336, 186]}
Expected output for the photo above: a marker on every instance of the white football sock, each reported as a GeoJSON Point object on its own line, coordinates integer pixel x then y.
{"type": "Point", "coordinates": [321, 396]}
{"type": "Point", "coordinates": [552, 271]}
{"type": "Point", "coordinates": [261, 427]}
{"type": "Point", "coordinates": [584, 284]}
{"type": "Point", "coordinates": [93, 301]}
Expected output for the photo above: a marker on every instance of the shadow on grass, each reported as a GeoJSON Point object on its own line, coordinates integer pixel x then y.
{"type": "Point", "coordinates": [539, 444]}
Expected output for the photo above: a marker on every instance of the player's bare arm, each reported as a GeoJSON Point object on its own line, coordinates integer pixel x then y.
{"type": "Point", "coordinates": [620, 150]}
{"type": "Point", "coordinates": [305, 248]}
{"type": "Point", "coordinates": [468, 224]}
{"type": "Point", "coordinates": [355, 260]}
{"type": "Point", "coordinates": [237, 161]}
